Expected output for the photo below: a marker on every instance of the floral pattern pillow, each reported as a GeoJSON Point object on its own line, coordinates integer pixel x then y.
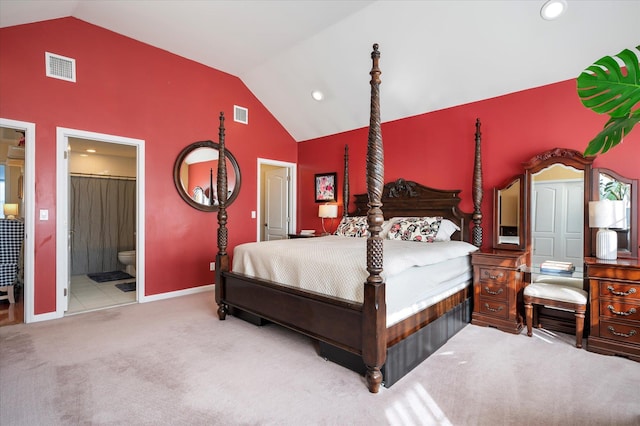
{"type": "Point", "coordinates": [353, 227]}
{"type": "Point", "coordinates": [421, 229]}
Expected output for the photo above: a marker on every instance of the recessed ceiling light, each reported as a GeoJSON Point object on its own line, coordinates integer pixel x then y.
{"type": "Point", "coordinates": [317, 95]}
{"type": "Point", "coordinates": [552, 9]}
{"type": "Point", "coordinates": [91, 150]}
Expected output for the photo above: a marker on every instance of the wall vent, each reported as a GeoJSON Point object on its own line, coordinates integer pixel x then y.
{"type": "Point", "coordinates": [240, 114]}
{"type": "Point", "coordinates": [60, 67]}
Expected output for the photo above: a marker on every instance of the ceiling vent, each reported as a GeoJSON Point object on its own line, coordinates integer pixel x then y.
{"type": "Point", "coordinates": [60, 67]}
{"type": "Point", "coordinates": [240, 114]}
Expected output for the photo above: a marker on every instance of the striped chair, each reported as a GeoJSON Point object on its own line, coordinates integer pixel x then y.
{"type": "Point", "coordinates": [11, 239]}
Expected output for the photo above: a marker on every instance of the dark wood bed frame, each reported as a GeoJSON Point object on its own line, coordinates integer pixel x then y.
{"type": "Point", "coordinates": [359, 331]}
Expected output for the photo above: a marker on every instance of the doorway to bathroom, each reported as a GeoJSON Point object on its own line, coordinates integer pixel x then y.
{"type": "Point", "coordinates": [101, 186]}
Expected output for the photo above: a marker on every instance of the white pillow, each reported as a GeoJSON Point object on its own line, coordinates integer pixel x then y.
{"type": "Point", "coordinates": [446, 230]}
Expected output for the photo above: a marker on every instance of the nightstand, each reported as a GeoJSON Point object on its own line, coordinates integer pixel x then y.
{"type": "Point", "coordinates": [497, 289]}
{"type": "Point", "coordinates": [614, 292]}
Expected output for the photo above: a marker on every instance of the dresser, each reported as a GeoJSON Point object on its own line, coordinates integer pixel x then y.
{"type": "Point", "coordinates": [614, 292]}
{"type": "Point", "coordinates": [497, 289]}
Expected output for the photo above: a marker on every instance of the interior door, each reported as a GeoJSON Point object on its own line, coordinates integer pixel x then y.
{"type": "Point", "coordinates": [276, 204]}
{"type": "Point", "coordinates": [557, 222]}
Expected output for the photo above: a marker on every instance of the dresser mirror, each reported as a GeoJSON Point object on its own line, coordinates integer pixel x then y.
{"type": "Point", "coordinates": [509, 216]}
{"type": "Point", "coordinates": [195, 175]}
{"type": "Point", "coordinates": [558, 188]}
{"type": "Point", "coordinates": [609, 185]}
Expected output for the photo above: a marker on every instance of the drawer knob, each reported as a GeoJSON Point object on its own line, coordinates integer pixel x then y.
{"type": "Point", "coordinates": [489, 308]}
{"type": "Point", "coordinates": [486, 289]}
{"type": "Point", "coordinates": [495, 277]}
{"type": "Point", "coordinates": [621, 293]}
{"type": "Point", "coordinates": [615, 333]}
{"type": "Point", "coordinates": [623, 314]}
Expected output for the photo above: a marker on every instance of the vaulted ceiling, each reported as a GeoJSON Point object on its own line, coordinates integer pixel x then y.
{"type": "Point", "coordinates": [435, 54]}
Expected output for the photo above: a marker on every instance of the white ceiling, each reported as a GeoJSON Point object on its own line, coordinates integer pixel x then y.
{"type": "Point", "coordinates": [434, 54]}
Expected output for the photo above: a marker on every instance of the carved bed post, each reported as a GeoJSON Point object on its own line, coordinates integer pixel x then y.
{"type": "Point", "coordinates": [477, 190]}
{"type": "Point", "coordinates": [345, 187]}
{"type": "Point", "coordinates": [222, 258]}
{"type": "Point", "coordinates": [374, 345]}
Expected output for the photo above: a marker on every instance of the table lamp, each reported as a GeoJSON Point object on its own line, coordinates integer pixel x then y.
{"type": "Point", "coordinates": [10, 211]}
{"type": "Point", "coordinates": [606, 214]}
{"type": "Point", "coordinates": [327, 211]}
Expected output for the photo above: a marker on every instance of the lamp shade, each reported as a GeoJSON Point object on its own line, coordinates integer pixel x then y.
{"type": "Point", "coordinates": [607, 214]}
{"type": "Point", "coordinates": [328, 210]}
{"type": "Point", "coordinates": [10, 211]}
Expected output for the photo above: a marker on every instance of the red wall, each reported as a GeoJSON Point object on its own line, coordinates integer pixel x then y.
{"type": "Point", "coordinates": [131, 89]}
{"type": "Point", "coordinates": [437, 149]}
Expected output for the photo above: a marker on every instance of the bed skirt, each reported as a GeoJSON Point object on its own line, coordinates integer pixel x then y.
{"type": "Point", "coordinates": [407, 354]}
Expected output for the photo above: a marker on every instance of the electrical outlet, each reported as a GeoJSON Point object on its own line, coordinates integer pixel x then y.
{"type": "Point", "coordinates": [212, 266]}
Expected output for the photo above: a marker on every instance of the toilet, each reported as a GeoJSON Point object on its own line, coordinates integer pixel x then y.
{"type": "Point", "coordinates": [128, 258]}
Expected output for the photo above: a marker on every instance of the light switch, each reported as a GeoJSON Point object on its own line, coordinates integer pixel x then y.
{"type": "Point", "coordinates": [253, 214]}
{"type": "Point", "coordinates": [44, 214]}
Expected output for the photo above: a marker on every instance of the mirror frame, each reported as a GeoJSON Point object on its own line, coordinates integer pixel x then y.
{"type": "Point", "coordinates": [568, 157]}
{"type": "Point", "coordinates": [178, 183]}
{"type": "Point", "coordinates": [522, 206]}
{"type": "Point", "coordinates": [633, 232]}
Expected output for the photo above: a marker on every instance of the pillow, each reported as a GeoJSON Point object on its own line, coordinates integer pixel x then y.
{"type": "Point", "coordinates": [446, 230]}
{"type": "Point", "coordinates": [355, 226]}
{"type": "Point", "coordinates": [421, 229]}
{"type": "Point", "coordinates": [386, 225]}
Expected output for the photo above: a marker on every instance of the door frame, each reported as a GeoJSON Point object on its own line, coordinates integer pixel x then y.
{"type": "Point", "coordinates": [292, 192]}
{"type": "Point", "coordinates": [29, 198]}
{"type": "Point", "coordinates": [62, 209]}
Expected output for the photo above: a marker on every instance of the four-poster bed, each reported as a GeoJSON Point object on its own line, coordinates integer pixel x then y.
{"type": "Point", "coordinates": [354, 329]}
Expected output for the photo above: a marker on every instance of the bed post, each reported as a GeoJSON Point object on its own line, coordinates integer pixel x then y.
{"type": "Point", "coordinates": [477, 190]}
{"type": "Point", "coordinates": [374, 327]}
{"type": "Point", "coordinates": [222, 258]}
{"type": "Point", "coordinates": [345, 185]}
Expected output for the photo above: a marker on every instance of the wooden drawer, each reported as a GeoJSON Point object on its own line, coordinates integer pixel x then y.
{"type": "Point", "coordinates": [619, 310]}
{"type": "Point", "coordinates": [494, 308]}
{"type": "Point", "coordinates": [493, 291]}
{"type": "Point", "coordinates": [629, 333]}
{"type": "Point", "coordinates": [620, 290]}
{"type": "Point", "coordinates": [494, 275]}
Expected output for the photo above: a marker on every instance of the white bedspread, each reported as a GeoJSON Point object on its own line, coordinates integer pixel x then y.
{"type": "Point", "coordinates": [335, 265]}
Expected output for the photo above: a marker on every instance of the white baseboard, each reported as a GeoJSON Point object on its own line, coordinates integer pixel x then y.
{"type": "Point", "coordinates": [178, 293]}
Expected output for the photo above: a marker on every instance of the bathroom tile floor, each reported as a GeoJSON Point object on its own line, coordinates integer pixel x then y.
{"type": "Point", "coordinates": [88, 295]}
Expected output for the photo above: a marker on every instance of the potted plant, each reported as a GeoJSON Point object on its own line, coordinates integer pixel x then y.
{"type": "Point", "coordinates": [607, 87]}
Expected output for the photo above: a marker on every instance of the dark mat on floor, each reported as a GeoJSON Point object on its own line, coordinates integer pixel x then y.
{"type": "Point", "coordinates": [126, 287]}
{"type": "Point", "coordinates": [103, 277]}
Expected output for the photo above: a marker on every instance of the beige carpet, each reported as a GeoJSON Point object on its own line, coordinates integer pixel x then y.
{"type": "Point", "coordinates": [172, 362]}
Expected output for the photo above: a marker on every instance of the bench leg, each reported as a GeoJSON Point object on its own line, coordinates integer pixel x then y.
{"type": "Point", "coordinates": [579, 327]}
{"type": "Point", "coordinates": [528, 310]}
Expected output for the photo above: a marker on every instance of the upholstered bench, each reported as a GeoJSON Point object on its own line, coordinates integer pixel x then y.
{"type": "Point", "coordinates": [559, 293]}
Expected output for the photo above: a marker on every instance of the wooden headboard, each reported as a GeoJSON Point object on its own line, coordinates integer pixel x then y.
{"type": "Point", "coordinates": [403, 198]}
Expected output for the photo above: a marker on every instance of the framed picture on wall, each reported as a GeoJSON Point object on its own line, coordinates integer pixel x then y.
{"type": "Point", "coordinates": [326, 187]}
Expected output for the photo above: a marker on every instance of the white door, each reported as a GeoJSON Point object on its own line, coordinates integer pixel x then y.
{"type": "Point", "coordinates": [276, 204]}
{"type": "Point", "coordinates": [557, 222]}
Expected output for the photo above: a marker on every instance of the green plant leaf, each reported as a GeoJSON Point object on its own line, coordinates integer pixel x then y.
{"type": "Point", "coordinates": [614, 131]}
{"type": "Point", "coordinates": [606, 88]}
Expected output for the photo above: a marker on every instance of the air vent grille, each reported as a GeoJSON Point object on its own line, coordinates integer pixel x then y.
{"type": "Point", "coordinates": [240, 114]}
{"type": "Point", "coordinates": [60, 67]}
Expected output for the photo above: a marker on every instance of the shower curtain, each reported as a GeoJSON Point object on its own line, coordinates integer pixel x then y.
{"type": "Point", "coordinates": [102, 222]}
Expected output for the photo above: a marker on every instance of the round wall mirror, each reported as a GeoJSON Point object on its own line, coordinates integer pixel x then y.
{"type": "Point", "coordinates": [195, 175]}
